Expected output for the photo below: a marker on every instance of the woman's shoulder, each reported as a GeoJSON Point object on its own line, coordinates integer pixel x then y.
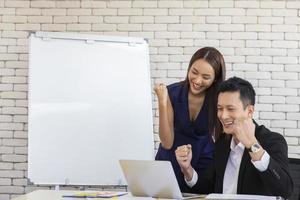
{"type": "Point", "coordinates": [177, 92]}
{"type": "Point", "coordinates": [176, 86]}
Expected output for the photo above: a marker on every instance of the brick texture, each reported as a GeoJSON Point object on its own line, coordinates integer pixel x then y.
{"type": "Point", "coordinates": [260, 41]}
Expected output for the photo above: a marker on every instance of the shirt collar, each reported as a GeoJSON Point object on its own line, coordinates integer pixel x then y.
{"type": "Point", "coordinates": [235, 147]}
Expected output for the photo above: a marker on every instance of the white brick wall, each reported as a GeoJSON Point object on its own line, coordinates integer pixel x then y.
{"type": "Point", "coordinates": [259, 39]}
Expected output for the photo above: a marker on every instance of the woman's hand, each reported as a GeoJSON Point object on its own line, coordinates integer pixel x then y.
{"type": "Point", "coordinates": [162, 93]}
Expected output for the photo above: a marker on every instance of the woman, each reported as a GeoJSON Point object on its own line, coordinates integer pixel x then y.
{"type": "Point", "coordinates": [187, 112]}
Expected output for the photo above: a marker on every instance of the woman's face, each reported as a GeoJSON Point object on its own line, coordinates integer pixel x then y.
{"type": "Point", "coordinates": [201, 76]}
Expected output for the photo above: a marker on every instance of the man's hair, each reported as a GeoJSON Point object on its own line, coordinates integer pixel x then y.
{"type": "Point", "coordinates": [235, 84]}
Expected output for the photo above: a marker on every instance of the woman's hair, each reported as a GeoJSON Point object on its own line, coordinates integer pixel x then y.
{"type": "Point", "coordinates": [216, 60]}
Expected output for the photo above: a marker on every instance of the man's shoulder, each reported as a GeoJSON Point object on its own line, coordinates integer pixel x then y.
{"type": "Point", "coordinates": [263, 131]}
{"type": "Point", "coordinates": [223, 140]}
{"type": "Point", "coordinates": [265, 135]}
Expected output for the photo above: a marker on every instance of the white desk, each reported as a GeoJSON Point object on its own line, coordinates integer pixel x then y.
{"type": "Point", "coordinates": [57, 195]}
{"type": "Point", "coordinates": [46, 195]}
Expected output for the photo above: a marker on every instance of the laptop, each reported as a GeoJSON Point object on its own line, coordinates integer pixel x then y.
{"type": "Point", "coordinates": [156, 179]}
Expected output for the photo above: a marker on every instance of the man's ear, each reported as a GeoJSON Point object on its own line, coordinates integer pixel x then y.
{"type": "Point", "coordinates": [250, 109]}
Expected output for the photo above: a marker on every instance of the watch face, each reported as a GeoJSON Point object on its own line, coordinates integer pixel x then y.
{"type": "Point", "coordinates": [255, 147]}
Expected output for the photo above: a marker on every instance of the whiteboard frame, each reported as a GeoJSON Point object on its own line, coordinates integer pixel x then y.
{"type": "Point", "coordinates": [88, 39]}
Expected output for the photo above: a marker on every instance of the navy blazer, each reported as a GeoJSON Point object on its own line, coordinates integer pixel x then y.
{"type": "Point", "coordinates": [275, 181]}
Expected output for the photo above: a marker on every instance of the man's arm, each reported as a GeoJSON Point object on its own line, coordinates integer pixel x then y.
{"type": "Point", "coordinates": [276, 177]}
{"type": "Point", "coordinates": [274, 170]}
{"type": "Point", "coordinates": [200, 183]}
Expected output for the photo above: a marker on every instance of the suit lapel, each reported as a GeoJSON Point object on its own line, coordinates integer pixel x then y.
{"type": "Point", "coordinates": [225, 151]}
{"type": "Point", "coordinates": [245, 162]}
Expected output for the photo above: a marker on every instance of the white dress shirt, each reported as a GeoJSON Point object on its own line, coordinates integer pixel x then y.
{"type": "Point", "coordinates": [233, 167]}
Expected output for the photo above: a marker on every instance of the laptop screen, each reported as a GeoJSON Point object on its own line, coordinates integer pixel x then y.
{"type": "Point", "coordinates": [151, 178]}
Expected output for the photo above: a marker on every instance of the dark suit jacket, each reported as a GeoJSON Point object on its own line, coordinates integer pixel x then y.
{"type": "Point", "coordinates": [274, 181]}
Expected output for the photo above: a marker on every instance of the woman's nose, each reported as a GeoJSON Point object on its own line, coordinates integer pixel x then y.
{"type": "Point", "coordinates": [198, 80]}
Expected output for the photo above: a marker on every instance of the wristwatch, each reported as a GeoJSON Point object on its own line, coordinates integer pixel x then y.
{"type": "Point", "coordinates": [254, 148]}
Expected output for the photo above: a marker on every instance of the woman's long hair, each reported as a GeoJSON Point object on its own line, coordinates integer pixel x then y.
{"type": "Point", "coordinates": [216, 60]}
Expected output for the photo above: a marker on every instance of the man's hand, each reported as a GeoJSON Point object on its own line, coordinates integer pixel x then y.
{"type": "Point", "coordinates": [244, 131]}
{"type": "Point", "coordinates": [184, 156]}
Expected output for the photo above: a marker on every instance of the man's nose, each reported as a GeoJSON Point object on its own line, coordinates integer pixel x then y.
{"type": "Point", "coordinates": [223, 115]}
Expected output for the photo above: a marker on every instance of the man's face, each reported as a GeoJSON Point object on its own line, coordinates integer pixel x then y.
{"type": "Point", "coordinates": [231, 110]}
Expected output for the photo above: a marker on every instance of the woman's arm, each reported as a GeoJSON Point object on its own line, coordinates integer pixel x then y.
{"type": "Point", "coordinates": [166, 116]}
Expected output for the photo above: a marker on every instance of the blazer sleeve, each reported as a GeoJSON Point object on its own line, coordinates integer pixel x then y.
{"type": "Point", "coordinates": [277, 177]}
{"type": "Point", "coordinates": [206, 180]}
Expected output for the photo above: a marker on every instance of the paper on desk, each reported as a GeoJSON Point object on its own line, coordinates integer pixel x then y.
{"type": "Point", "coordinates": [239, 196]}
{"type": "Point", "coordinates": [129, 197]}
{"type": "Point", "coordinates": [95, 194]}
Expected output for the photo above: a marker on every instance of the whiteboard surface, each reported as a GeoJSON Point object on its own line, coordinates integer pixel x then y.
{"type": "Point", "coordinates": [89, 106]}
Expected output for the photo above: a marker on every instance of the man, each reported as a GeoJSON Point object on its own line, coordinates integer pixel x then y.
{"type": "Point", "coordinates": [249, 159]}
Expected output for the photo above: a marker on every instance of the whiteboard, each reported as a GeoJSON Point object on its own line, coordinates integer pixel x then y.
{"type": "Point", "coordinates": [89, 106]}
